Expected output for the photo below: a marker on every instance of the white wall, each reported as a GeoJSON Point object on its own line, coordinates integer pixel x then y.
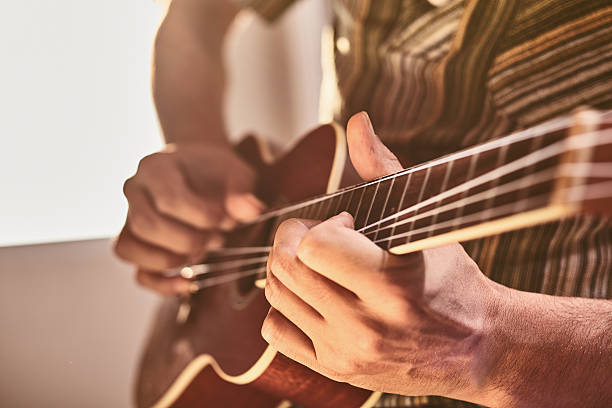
{"type": "Point", "coordinates": [75, 117]}
{"type": "Point", "coordinates": [76, 112]}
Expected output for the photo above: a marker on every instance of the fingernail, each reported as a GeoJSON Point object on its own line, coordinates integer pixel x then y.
{"type": "Point", "coordinates": [346, 218]}
{"type": "Point", "coordinates": [365, 118]}
{"type": "Point", "coordinates": [244, 207]}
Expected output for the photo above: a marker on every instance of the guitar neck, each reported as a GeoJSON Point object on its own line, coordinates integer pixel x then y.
{"type": "Point", "coordinates": [535, 176]}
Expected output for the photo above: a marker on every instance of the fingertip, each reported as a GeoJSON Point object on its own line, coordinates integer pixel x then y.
{"type": "Point", "coordinates": [244, 207]}
{"type": "Point", "coordinates": [345, 218]}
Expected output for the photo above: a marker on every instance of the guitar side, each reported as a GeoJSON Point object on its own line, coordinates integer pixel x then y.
{"type": "Point", "coordinates": [216, 355]}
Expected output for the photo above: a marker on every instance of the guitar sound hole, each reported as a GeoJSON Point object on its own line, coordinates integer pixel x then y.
{"type": "Point", "coordinates": [246, 285]}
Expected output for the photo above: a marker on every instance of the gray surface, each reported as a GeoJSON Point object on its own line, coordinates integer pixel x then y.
{"type": "Point", "coordinates": [72, 326]}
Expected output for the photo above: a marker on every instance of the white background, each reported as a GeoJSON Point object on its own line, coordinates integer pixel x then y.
{"type": "Point", "coordinates": [75, 114]}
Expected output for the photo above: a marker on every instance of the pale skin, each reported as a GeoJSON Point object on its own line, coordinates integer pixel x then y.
{"type": "Point", "coordinates": [428, 323]}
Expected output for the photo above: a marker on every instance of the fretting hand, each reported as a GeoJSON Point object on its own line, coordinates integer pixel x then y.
{"type": "Point", "coordinates": [348, 309]}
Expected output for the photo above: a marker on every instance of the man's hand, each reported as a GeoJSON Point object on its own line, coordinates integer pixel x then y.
{"type": "Point", "coordinates": [427, 323]}
{"type": "Point", "coordinates": [180, 199]}
{"type": "Point", "coordinates": [356, 313]}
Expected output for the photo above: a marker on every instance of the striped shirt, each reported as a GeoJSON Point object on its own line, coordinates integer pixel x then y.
{"type": "Point", "coordinates": [437, 76]}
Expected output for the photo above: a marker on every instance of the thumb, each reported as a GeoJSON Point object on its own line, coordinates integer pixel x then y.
{"type": "Point", "coordinates": [369, 155]}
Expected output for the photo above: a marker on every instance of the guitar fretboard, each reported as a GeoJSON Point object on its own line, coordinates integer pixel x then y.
{"type": "Point", "coordinates": [504, 177]}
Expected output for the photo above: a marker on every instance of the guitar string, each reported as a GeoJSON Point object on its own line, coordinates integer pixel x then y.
{"type": "Point", "coordinates": [492, 212]}
{"type": "Point", "coordinates": [207, 268]}
{"type": "Point", "coordinates": [544, 129]}
{"type": "Point", "coordinates": [577, 170]}
{"type": "Point", "coordinates": [574, 142]}
{"type": "Point", "coordinates": [528, 160]}
{"type": "Point", "coordinates": [566, 169]}
{"type": "Point", "coordinates": [524, 135]}
{"type": "Point", "coordinates": [604, 190]}
{"type": "Point", "coordinates": [227, 278]}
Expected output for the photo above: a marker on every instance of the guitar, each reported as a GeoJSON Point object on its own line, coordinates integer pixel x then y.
{"type": "Point", "coordinates": [207, 350]}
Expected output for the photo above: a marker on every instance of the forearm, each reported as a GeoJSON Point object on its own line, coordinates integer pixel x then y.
{"type": "Point", "coordinates": [188, 72]}
{"type": "Point", "coordinates": [545, 351]}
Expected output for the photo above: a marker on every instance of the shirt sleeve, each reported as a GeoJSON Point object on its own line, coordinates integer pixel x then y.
{"type": "Point", "coordinates": [270, 10]}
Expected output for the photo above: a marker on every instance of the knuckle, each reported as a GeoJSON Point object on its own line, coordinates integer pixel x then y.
{"type": "Point", "coordinates": [165, 199]}
{"type": "Point", "coordinates": [270, 329]}
{"type": "Point", "coordinates": [343, 367]}
{"type": "Point", "coordinates": [139, 224]}
{"type": "Point", "coordinates": [168, 261]}
{"type": "Point", "coordinates": [151, 161]}
{"type": "Point", "coordinates": [129, 185]}
{"type": "Point", "coordinates": [281, 261]}
{"type": "Point", "coordinates": [310, 245]}
{"type": "Point", "coordinates": [270, 290]}
{"type": "Point", "coordinates": [369, 344]}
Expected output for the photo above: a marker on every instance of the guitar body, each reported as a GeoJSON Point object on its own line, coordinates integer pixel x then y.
{"type": "Point", "coordinates": [207, 350]}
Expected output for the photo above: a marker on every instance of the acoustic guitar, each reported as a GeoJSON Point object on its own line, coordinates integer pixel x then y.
{"type": "Point", "coordinates": [207, 351]}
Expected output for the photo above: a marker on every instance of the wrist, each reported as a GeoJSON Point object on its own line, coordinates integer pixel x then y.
{"type": "Point", "coordinates": [494, 349]}
{"type": "Point", "coordinates": [536, 349]}
{"type": "Point", "coordinates": [482, 374]}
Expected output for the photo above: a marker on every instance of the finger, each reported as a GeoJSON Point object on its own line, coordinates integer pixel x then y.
{"type": "Point", "coordinates": [174, 198]}
{"type": "Point", "coordinates": [325, 296]}
{"type": "Point", "coordinates": [164, 285]}
{"type": "Point", "coordinates": [288, 339]}
{"type": "Point", "coordinates": [243, 207]}
{"type": "Point", "coordinates": [341, 254]}
{"type": "Point", "coordinates": [370, 157]}
{"type": "Point", "coordinates": [307, 319]}
{"type": "Point", "coordinates": [151, 227]}
{"type": "Point", "coordinates": [131, 249]}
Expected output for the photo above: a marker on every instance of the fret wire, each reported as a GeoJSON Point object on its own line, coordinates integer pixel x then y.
{"type": "Point", "coordinates": [384, 208]}
{"type": "Point", "coordinates": [348, 202]}
{"type": "Point", "coordinates": [315, 210]}
{"type": "Point", "coordinates": [309, 211]}
{"type": "Point", "coordinates": [501, 158]}
{"type": "Point", "coordinates": [573, 194]}
{"type": "Point", "coordinates": [319, 207]}
{"type": "Point", "coordinates": [359, 203]}
{"type": "Point", "coordinates": [371, 204]}
{"type": "Point", "coordinates": [549, 151]}
{"type": "Point", "coordinates": [449, 168]}
{"type": "Point", "coordinates": [581, 170]}
{"type": "Point", "coordinates": [337, 207]}
{"type": "Point", "coordinates": [540, 177]}
{"type": "Point", "coordinates": [324, 207]}
{"type": "Point", "coordinates": [421, 193]}
{"type": "Point", "coordinates": [535, 145]}
{"type": "Point", "coordinates": [470, 175]}
{"type": "Point", "coordinates": [504, 209]}
{"type": "Point", "coordinates": [400, 205]}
